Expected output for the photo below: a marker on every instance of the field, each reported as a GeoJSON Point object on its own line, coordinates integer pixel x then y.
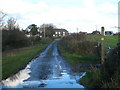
{"type": "Point", "coordinates": [110, 41]}
{"type": "Point", "coordinates": [14, 61]}
{"type": "Point", "coordinates": [75, 58]}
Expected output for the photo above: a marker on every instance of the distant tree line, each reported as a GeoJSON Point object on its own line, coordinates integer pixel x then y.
{"type": "Point", "coordinates": [13, 37]}
{"type": "Point", "coordinates": [35, 30]}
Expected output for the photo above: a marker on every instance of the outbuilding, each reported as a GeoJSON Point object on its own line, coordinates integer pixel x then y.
{"type": "Point", "coordinates": [108, 33]}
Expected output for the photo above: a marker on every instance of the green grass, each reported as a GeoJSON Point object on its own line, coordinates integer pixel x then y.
{"type": "Point", "coordinates": [109, 40]}
{"type": "Point", "coordinates": [87, 80]}
{"type": "Point", "coordinates": [12, 64]}
{"type": "Point", "coordinates": [94, 38]}
{"type": "Point", "coordinates": [75, 59]}
{"type": "Point", "coordinates": [92, 79]}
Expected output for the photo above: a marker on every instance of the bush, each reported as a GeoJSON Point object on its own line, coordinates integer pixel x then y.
{"type": "Point", "coordinates": [34, 39]}
{"type": "Point", "coordinates": [13, 39]}
{"type": "Point", "coordinates": [107, 76]}
{"type": "Point", "coordinates": [111, 69]}
{"type": "Point", "coordinates": [46, 40]}
{"type": "Point", "coordinates": [77, 43]}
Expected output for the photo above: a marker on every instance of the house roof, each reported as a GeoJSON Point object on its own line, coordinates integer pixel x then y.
{"type": "Point", "coordinates": [109, 31]}
{"type": "Point", "coordinates": [60, 30]}
{"type": "Point", "coordinates": [96, 32]}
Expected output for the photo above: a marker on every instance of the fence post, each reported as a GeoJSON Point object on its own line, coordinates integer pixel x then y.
{"type": "Point", "coordinates": [102, 45]}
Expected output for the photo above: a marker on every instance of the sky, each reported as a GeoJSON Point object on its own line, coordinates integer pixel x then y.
{"type": "Point", "coordinates": [86, 15]}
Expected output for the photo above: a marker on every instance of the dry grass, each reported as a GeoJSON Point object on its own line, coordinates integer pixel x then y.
{"type": "Point", "coordinates": [14, 51]}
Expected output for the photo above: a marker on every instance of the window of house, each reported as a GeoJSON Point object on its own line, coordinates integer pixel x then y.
{"type": "Point", "coordinates": [53, 35]}
{"type": "Point", "coordinates": [56, 32]}
{"type": "Point", "coordinates": [63, 32]}
{"type": "Point", "coordinates": [40, 35]}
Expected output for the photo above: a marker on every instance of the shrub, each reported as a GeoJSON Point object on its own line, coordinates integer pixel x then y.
{"type": "Point", "coordinates": [13, 39]}
{"type": "Point", "coordinates": [34, 39]}
{"type": "Point", "coordinates": [46, 40]}
{"type": "Point", "coordinates": [77, 43]}
{"type": "Point", "coordinates": [111, 68]}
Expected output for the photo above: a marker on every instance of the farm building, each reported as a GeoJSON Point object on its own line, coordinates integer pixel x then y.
{"type": "Point", "coordinates": [85, 33]}
{"type": "Point", "coordinates": [96, 32]}
{"type": "Point", "coordinates": [109, 33]}
{"type": "Point", "coordinates": [60, 33]}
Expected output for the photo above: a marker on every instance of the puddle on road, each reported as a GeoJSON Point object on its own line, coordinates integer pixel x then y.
{"type": "Point", "coordinates": [64, 81]}
{"type": "Point", "coordinates": [32, 77]}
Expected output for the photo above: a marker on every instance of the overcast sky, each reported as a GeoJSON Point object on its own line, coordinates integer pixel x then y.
{"type": "Point", "coordinates": [85, 15]}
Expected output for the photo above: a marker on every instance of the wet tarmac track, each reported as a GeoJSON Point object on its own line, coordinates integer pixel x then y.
{"type": "Point", "coordinates": [48, 70]}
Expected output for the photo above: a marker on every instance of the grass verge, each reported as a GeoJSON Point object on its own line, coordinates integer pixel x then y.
{"type": "Point", "coordinates": [95, 78]}
{"type": "Point", "coordinates": [85, 80]}
{"type": "Point", "coordinates": [12, 63]}
{"type": "Point", "coordinates": [75, 60]}
{"type": "Point", "coordinates": [92, 79]}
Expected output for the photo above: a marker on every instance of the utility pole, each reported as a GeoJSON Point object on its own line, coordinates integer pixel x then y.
{"type": "Point", "coordinates": [44, 29]}
{"type": "Point", "coordinates": [96, 27]}
{"type": "Point", "coordinates": [102, 46]}
{"type": "Point", "coordinates": [77, 33]}
{"type": "Point", "coordinates": [77, 30]}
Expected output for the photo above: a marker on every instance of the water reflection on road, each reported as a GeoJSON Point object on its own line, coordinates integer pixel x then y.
{"type": "Point", "coordinates": [49, 70]}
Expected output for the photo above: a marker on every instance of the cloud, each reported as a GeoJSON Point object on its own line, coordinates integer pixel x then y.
{"type": "Point", "coordinates": [84, 17]}
{"type": "Point", "coordinates": [20, 6]}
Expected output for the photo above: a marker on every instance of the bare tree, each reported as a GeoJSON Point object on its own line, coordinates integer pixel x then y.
{"type": "Point", "coordinates": [2, 16]}
{"type": "Point", "coordinates": [48, 29]}
{"type": "Point", "coordinates": [11, 24]}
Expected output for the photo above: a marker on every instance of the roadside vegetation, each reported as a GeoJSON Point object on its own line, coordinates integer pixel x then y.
{"type": "Point", "coordinates": [108, 75]}
{"type": "Point", "coordinates": [14, 60]}
{"type": "Point", "coordinates": [76, 49]}
{"type": "Point", "coordinates": [82, 52]}
{"type": "Point", "coordinates": [18, 49]}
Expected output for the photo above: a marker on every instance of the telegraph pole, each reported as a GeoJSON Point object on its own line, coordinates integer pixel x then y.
{"type": "Point", "coordinates": [102, 46]}
{"type": "Point", "coordinates": [44, 29]}
{"type": "Point", "coordinates": [96, 27]}
{"type": "Point", "coordinates": [77, 33]}
{"type": "Point", "coordinates": [77, 30]}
